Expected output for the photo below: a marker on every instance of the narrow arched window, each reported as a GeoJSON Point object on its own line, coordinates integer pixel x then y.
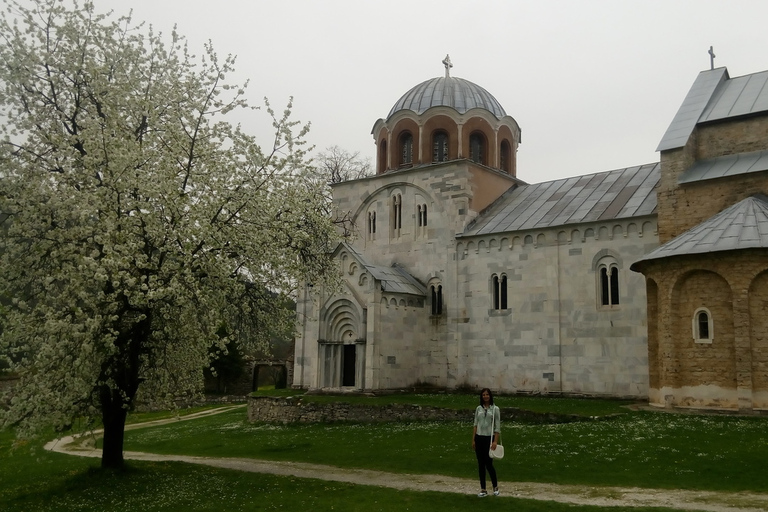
{"type": "Point", "coordinates": [499, 283]}
{"type": "Point", "coordinates": [437, 299]}
{"type": "Point", "coordinates": [382, 156]}
{"type": "Point", "coordinates": [396, 221]}
{"type": "Point", "coordinates": [505, 157]}
{"type": "Point", "coordinates": [422, 211]}
{"type": "Point", "coordinates": [609, 285]}
{"type": "Point", "coordinates": [703, 326]}
{"type": "Point", "coordinates": [406, 149]}
{"type": "Point", "coordinates": [477, 148]}
{"type": "Point", "coordinates": [440, 147]}
{"type": "Point", "coordinates": [371, 225]}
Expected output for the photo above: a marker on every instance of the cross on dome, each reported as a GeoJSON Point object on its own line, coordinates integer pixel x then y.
{"type": "Point", "coordinates": [448, 65]}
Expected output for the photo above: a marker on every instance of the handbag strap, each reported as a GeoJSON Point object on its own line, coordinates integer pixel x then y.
{"type": "Point", "coordinates": [493, 418]}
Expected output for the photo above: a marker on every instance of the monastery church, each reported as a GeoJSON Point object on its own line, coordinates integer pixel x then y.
{"type": "Point", "coordinates": [648, 282]}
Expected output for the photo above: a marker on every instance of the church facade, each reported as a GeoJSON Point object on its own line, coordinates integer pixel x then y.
{"type": "Point", "coordinates": [461, 275]}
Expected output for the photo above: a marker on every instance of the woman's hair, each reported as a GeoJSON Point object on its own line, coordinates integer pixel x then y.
{"type": "Point", "coordinates": [490, 394]}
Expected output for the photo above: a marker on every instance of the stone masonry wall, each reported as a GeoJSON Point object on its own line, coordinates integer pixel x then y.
{"type": "Point", "coordinates": [295, 410]}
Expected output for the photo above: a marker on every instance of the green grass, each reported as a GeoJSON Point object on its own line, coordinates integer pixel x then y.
{"type": "Point", "coordinates": [633, 449]}
{"type": "Point", "coordinates": [32, 480]}
{"type": "Point", "coordinates": [644, 449]}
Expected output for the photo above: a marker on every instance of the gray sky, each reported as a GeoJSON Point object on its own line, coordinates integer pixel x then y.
{"type": "Point", "coordinates": [592, 83]}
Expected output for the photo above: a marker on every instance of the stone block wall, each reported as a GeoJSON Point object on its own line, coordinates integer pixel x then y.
{"type": "Point", "coordinates": [295, 410]}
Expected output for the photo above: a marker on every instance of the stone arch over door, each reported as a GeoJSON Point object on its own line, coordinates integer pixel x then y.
{"type": "Point", "coordinates": [705, 374]}
{"type": "Point", "coordinates": [341, 351]}
{"type": "Point", "coordinates": [758, 326]}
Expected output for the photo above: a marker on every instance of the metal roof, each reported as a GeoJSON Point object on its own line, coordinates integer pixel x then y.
{"type": "Point", "coordinates": [693, 106]}
{"type": "Point", "coordinates": [738, 96]}
{"type": "Point", "coordinates": [728, 165]}
{"type": "Point", "coordinates": [394, 279]}
{"type": "Point", "coordinates": [741, 226]}
{"type": "Point", "coordinates": [457, 93]}
{"type": "Point", "coordinates": [618, 194]}
{"type": "Point", "coordinates": [715, 96]}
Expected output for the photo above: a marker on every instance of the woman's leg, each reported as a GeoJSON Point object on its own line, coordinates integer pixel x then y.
{"type": "Point", "coordinates": [482, 445]}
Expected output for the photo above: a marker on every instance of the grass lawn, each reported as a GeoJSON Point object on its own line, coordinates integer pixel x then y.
{"type": "Point", "coordinates": [642, 449]}
{"type": "Point", "coordinates": [635, 449]}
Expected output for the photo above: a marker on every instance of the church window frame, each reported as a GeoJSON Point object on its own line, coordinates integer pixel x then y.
{"type": "Point", "coordinates": [397, 215]}
{"type": "Point", "coordinates": [702, 326]}
{"type": "Point", "coordinates": [436, 306]}
{"type": "Point", "coordinates": [382, 156]}
{"type": "Point", "coordinates": [440, 140]}
{"type": "Point", "coordinates": [372, 225]}
{"type": "Point", "coordinates": [406, 149]}
{"type": "Point", "coordinates": [421, 210]}
{"type": "Point", "coordinates": [505, 156]}
{"type": "Point", "coordinates": [500, 292]}
{"type": "Point", "coordinates": [608, 283]}
{"type": "Point", "coordinates": [477, 147]}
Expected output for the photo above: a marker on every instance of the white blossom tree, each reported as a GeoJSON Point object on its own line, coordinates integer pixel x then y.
{"type": "Point", "coordinates": [136, 220]}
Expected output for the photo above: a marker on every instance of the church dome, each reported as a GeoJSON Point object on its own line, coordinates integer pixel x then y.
{"type": "Point", "coordinates": [457, 93]}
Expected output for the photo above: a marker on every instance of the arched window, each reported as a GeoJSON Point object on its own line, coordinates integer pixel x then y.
{"type": "Point", "coordinates": [505, 157]}
{"type": "Point", "coordinates": [477, 148]}
{"type": "Point", "coordinates": [382, 156]}
{"type": "Point", "coordinates": [422, 210]}
{"type": "Point", "coordinates": [499, 291]}
{"type": "Point", "coordinates": [397, 214]}
{"type": "Point", "coordinates": [406, 149]}
{"type": "Point", "coordinates": [607, 270]}
{"type": "Point", "coordinates": [437, 299]}
{"type": "Point", "coordinates": [371, 225]}
{"type": "Point", "coordinates": [440, 147]}
{"type": "Point", "coordinates": [703, 328]}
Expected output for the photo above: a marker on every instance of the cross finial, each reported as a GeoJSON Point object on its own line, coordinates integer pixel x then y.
{"type": "Point", "coordinates": [448, 65]}
{"type": "Point", "coordinates": [711, 58]}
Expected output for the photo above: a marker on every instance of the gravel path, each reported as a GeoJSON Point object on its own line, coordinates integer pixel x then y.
{"type": "Point", "coordinates": [578, 495]}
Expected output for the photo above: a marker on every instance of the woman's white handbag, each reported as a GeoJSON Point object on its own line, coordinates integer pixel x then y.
{"type": "Point", "coordinates": [498, 453]}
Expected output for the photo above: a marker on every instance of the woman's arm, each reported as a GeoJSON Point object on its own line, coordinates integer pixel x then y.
{"type": "Point", "coordinates": [474, 432]}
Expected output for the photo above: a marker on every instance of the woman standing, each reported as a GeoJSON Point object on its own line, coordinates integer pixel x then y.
{"type": "Point", "coordinates": [485, 435]}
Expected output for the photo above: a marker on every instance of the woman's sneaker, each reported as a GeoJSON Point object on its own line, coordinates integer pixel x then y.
{"type": "Point", "coordinates": [482, 494]}
{"type": "Point", "coordinates": [495, 492]}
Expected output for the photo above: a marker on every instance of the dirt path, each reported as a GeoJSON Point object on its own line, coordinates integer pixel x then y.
{"type": "Point", "coordinates": [599, 496]}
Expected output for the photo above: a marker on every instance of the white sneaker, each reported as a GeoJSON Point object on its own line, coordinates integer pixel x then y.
{"type": "Point", "coordinates": [496, 492]}
{"type": "Point", "coordinates": [482, 494]}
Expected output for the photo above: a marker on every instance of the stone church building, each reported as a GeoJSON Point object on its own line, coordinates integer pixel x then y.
{"type": "Point", "coordinates": [649, 281]}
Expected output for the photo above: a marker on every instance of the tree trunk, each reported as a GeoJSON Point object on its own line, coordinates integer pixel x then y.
{"type": "Point", "coordinates": [113, 416]}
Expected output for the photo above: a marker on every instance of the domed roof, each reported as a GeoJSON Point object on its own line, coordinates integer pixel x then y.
{"type": "Point", "coordinates": [448, 91]}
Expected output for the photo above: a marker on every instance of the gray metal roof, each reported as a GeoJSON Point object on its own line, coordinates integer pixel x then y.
{"type": "Point", "coordinates": [457, 93]}
{"type": "Point", "coordinates": [728, 165]}
{"type": "Point", "coordinates": [741, 226]}
{"type": "Point", "coordinates": [715, 96]}
{"type": "Point", "coordinates": [693, 106]}
{"type": "Point", "coordinates": [738, 96]}
{"type": "Point", "coordinates": [618, 194]}
{"type": "Point", "coordinates": [394, 279]}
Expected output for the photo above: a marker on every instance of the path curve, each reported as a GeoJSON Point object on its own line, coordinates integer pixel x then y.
{"type": "Point", "coordinates": [705, 501]}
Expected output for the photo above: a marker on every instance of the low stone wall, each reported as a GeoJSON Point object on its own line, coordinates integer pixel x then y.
{"type": "Point", "coordinates": [269, 409]}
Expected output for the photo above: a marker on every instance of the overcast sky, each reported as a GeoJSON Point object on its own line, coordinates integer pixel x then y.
{"type": "Point", "coordinates": [592, 83]}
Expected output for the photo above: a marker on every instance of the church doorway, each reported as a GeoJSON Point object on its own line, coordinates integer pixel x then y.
{"type": "Point", "coordinates": [348, 373]}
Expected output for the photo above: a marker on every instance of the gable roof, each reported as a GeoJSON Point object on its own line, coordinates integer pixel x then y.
{"type": "Point", "coordinates": [689, 113]}
{"type": "Point", "coordinates": [741, 226]}
{"type": "Point", "coordinates": [715, 96]}
{"type": "Point", "coordinates": [617, 194]}
{"type": "Point", "coordinates": [394, 279]}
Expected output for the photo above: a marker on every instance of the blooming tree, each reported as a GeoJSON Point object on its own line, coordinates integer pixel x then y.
{"type": "Point", "coordinates": [136, 220]}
